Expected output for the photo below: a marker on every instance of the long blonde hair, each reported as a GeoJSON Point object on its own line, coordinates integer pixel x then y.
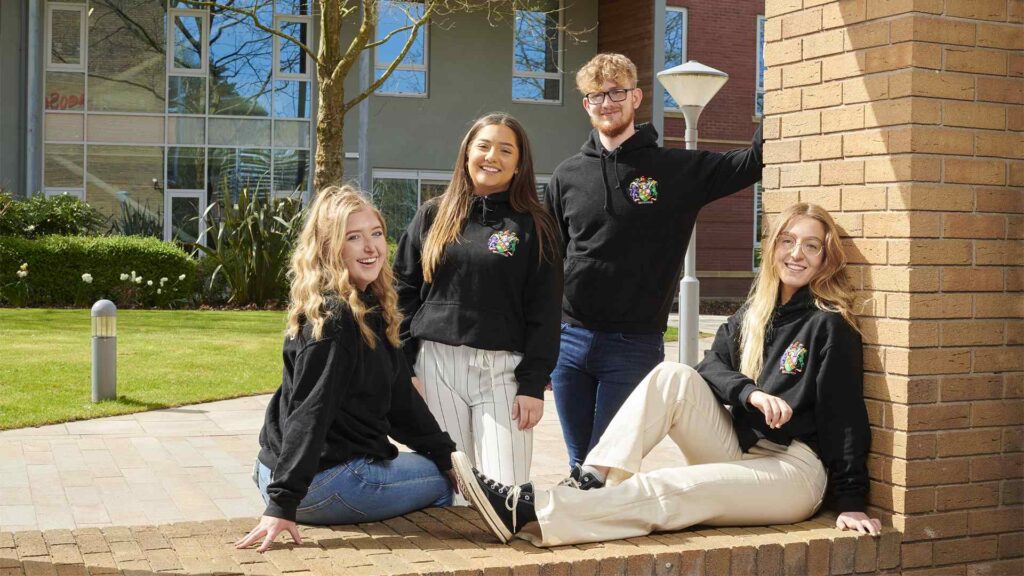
{"type": "Point", "coordinates": [318, 272]}
{"type": "Point", "coordinates": [830, 287]}
{"type": "Point", "coordinates": [458, 197]}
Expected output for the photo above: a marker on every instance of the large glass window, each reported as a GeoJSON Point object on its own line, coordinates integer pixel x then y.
{"type": "Point", "coordinates": [241, 61]}
{"type": "Point", "coordinates": [759, 91]}
{"type": "Point", "coordinates": [155, 108]}
{"type": "Point", "coordinates": [675, 45]}
{"type": "Point", "coordinates": [536, 54]}
{"type": "Point", "coordinates": [394, 27]}
{"type": "Point", "coordinates": [127, 62]}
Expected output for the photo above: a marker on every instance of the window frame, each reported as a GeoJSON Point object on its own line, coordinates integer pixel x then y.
{"type": "Point", "coordinates": [560, 50]}
{"type": "Point", "coordinates": [758, 69]}
{"type": "Point", "coordinates": [295, 19]}
{"type": "Point", "coordinates": [83, 43]}
{"type": "Point", "coordinates": [402, 66]}
{"type": "Point", "coordinates": [204, 16]}
{"type": "Point", "coordinates": [169, 196]}
{"type": "Point", "coordinates": [683, 45]}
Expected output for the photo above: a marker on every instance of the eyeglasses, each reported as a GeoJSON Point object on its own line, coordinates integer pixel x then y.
{"type": "Point", "coordinates": [616, 95]}
{"type": "Point", "coordinates": [811, 247]}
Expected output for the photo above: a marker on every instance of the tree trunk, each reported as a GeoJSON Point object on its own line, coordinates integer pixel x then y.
{"type": "Point", "coordinates": [330, 137]}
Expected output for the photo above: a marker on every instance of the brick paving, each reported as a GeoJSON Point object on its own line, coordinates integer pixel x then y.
{"type": "Point", "coordinates": [168, 491]}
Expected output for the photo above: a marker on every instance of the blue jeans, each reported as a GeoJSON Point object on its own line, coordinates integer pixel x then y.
{"type": "Point", "coordinates": [366, 490]}
{"type": "Point", "coordinates": [596, 372]}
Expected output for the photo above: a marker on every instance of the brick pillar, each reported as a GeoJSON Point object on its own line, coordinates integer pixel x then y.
{"type": "Point", "coordinates": [904, 119]}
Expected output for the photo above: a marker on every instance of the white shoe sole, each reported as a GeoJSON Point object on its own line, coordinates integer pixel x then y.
{"type": "Point", "coordinates": [470, 488]}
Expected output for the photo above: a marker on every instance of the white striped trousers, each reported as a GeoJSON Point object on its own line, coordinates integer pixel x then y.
{"type": "Point", "coordinates": [470, 392]}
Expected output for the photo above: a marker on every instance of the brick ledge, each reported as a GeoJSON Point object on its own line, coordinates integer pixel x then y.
{"type": "Point", "coordinates": [444, 541]}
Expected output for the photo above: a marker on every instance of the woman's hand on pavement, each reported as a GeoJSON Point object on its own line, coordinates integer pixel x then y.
{"type": "Point", "coordinates": [268, 529]}
{"type": "Point", "coordinates": [860, 522]}
{"type": "Point", "coordinates": [776, 410]}
{"type": "Point", "coordinates": [527, 411]}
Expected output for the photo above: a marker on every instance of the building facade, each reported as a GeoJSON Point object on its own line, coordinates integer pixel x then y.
{"type": "Point", "coordinates": [151, 110]}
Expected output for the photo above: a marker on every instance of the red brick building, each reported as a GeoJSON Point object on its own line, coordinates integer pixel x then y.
{"type": "Point", "coordinates": [723, 35]}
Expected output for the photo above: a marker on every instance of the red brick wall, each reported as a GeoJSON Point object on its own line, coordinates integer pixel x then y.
{"type": "Point", "coordinates": [723, 35]}
{"type": "Point", "coordinates": [627, 28]}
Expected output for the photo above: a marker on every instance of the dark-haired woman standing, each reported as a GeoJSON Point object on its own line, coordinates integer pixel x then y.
{"type": "Point", "coordinates": [479, 282]}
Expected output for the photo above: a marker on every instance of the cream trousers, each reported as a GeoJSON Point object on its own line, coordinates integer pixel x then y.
{"type": "Point", "coordinates": [718, 484]}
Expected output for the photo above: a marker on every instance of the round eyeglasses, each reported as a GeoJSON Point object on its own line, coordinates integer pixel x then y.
{"type": "Point", "coordinates": [615, 94]}
{"type": "Point", "coordinates": [811, 247]}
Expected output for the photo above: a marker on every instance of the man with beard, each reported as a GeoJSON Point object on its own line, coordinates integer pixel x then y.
{"type": "Point", "coordinates": [625, 208]}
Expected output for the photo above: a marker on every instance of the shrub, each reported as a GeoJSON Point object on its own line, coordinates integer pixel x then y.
{"type": "Point", "coordinates": [249, 245]}
{"type": "Point", "coordinates": [41, 216]}
{"type": "Point", "coordinates": [57, 265]}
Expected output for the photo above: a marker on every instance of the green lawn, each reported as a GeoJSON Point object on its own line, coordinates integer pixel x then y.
{"type": "Point", "coordinates": [164, 358]}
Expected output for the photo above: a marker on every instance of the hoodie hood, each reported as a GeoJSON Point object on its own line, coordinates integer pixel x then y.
{"type": "Point", "coordinates": [646, 136]}
{"type": "Point", "coordinates": [485, 206]}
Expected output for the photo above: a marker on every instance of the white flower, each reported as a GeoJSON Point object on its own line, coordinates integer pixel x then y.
{"type": "Point", "coordinates": [182, 277]}
{"type": "Point", "coordinates": [124, 276]}
{"type": "Point", "coordinates": [87, 278]}
{"type": "Point", "coordinates": [138, 279]}
{"type": "Point", "coordinates": [158, 291]}
{"type": "Point", "coordinates": [30, 228]}
{"type": "Point", "coordinates": [163, 280]}
{"type": "Point", "coordinates": [22, 273]}
{"type": "Point", "coordinates": [149, 282]}
{"type": "Point", "coordinates": [24, 266]}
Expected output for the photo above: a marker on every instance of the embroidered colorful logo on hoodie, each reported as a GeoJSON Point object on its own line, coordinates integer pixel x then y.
{"type": "Point", "coordinates": [503, 243]}
{"type": "Point", "coordinates": [644, 190]}
{"type": "Point", "coordinates": [794, 360]}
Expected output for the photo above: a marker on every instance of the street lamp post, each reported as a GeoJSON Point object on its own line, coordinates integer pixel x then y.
{"type": "Point", "coordinates": [692, 85]}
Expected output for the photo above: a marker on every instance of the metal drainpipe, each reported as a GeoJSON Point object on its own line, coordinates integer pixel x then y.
{"type": "Point", "coordinates": [33, 100]}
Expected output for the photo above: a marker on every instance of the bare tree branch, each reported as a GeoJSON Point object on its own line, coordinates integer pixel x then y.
{"type": "Point", "coordinates": [251, 13]}
{"type": "Point", "coordinates": [416, 25]}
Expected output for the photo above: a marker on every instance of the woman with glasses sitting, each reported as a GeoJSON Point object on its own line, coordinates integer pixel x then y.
{"type": "Point", "coordinates": [788, 364]}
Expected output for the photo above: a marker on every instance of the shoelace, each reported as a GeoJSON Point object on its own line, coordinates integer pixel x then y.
{"type": "Point", "coordinates": [510, 504]}
{"type": "Point", "coordinates": [570, 482]}
{"type": "Point", "coordinates": [510, 501]}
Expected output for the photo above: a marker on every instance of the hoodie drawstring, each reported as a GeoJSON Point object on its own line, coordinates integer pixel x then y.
{"type": "Point", "coordinates": [486, 212]}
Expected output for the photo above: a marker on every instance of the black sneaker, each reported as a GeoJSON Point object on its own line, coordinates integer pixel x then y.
{"type": "Point", "coordinates": [505, 509]}
{"type": "Point", "coordinates": [581, 480]}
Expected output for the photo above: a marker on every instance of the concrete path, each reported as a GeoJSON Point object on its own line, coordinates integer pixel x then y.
{"type": "Point", "coordinates": [190, 463]}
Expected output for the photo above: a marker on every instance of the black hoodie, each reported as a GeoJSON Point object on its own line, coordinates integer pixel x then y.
{"type": "Point", "coordinates": [813, 361]}
{"type": "Point", "coordinates": [625, 219]}
{"type": "Point", "coordinates": [340, 399]}
{"type": "Point", "coordinates": [490, 290]}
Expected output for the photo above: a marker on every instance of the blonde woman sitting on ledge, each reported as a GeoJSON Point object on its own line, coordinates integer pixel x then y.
{"type": "Point", "coordinates": [789, 365]}
{"type": "Point", "coordinates": [325, 457]}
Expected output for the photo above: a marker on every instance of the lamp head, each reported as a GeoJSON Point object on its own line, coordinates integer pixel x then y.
{"type": "Point", "coordinates": [692, 84]}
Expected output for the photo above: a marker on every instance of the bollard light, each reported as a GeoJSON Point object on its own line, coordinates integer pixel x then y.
{"type": "Point", "coordinates": [104, 351]}
{"type": "Point", "coordinates": [692, 85]}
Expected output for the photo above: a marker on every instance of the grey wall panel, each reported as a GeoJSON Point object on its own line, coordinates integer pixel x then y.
{"type": "Point", "coordinates": [12, 95]}
{"type": "Point", "coordinates": [470, 73]}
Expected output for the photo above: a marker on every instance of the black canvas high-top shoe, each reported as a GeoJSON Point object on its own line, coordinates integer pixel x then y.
{"type": "Point", "coordinates": [581, 480]}
{"type": "Point", "coordinates": [505, 509]}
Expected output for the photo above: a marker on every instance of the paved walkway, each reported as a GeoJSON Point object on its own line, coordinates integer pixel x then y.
{"type": "Point", "coordinates": [191, 463]}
